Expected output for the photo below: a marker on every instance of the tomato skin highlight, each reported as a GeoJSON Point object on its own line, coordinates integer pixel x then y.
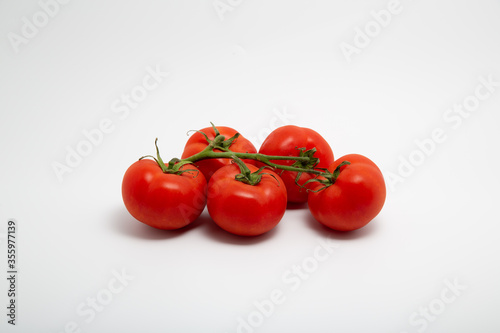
{"type": "Point", "coordinates": [356, 197]}
{"type": "Point", "coordinates": [197, 143]}
{"type": "Point", "coordinates": [161, 200]}
{"type": "Point", "coordinates": [284, 141]}
{"type": "Point", "coordinates": [243, 209]}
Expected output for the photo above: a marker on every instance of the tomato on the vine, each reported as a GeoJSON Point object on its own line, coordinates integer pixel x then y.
{"type": "Point", "coordinates": [355, 198]}
{"type": "Point", "coordinates": [286, 141]}
{"type": "Point", "coordinates": [197, 142]}
{"type": "Point", "coordinates": [244, 209]}
{"type": "Point", "coordinates": [163, 200]}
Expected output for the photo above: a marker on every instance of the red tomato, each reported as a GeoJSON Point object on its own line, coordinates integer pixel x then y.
{"type": "Point", "coordinates": [243, 209]}
{"type": "Point", "coordinates": [285, 141]}
{"type": "Point", "coordinates": [162, 200]}
{"type": "Point", "coordinates": [197, 143]}
{"type": "Point", "coordinates": [356, 197]}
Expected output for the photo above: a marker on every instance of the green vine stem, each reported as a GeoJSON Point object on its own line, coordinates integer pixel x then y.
{"type": "Point", "coordinates": [222, 144]}
{"type": "Point", "coordinates": [266, 159]}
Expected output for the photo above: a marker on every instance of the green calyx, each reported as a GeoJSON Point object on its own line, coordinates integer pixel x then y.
{"type": "Point", "coordinates": [310, 163]}
{"type": "Point", "coordinates": [248, 177]}
{"type": "Point", "coordinates": [219, 142]}
{"type": "Point", "coordinates": [174, 165]}
{"type": "Point", "coordinates": [329, 177]}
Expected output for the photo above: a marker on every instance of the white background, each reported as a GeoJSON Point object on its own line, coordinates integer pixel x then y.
{"type": "Point", "coordinates": [241, 68]}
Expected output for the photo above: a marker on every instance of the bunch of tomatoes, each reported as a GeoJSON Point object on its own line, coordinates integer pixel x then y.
{"type": "Point", "coordinates": [246, 192]}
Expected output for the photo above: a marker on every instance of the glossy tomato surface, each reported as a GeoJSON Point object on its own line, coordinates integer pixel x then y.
{"type": "Point", "coordinates": [284, 141]}
{"type": "Point", "coordinates": [197, 143]}
{"type": "Point", "coordinates": [162, 200]}
{"type": "Point", "coordinates": [356, 197]}
{"type": "Point", "coordinates": [243, 209]}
